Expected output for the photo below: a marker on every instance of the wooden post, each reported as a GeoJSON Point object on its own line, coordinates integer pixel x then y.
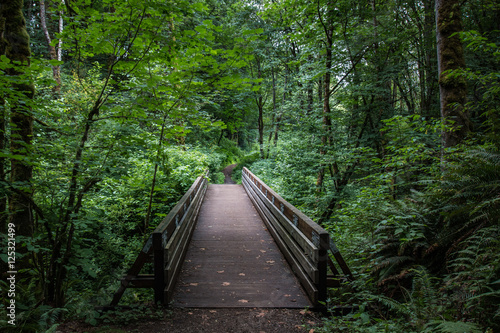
{"type": "Point", "coordinates": [159, 267]}
{"type": "Point", "coordinates": [324, 245]}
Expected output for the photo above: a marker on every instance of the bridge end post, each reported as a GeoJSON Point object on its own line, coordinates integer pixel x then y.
{"type": "Point", "coordinates": [159, 268]}
{"type": "Point", "coordinates": [324, 245]}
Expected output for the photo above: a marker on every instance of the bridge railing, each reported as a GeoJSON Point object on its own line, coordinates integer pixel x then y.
{"type": "Point", "coordinates": [304, 243]}
{"type": "Point", "coordinates": [166, 247]}
{"type": "Point", "coordinates": [171, 239]}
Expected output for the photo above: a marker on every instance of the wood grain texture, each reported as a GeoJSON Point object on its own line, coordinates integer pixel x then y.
{"type": "Point", "coordinates": [233, 261]}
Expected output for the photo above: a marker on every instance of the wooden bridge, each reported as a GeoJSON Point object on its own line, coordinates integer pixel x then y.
{"type": "Point", "coordinates": [237, 246]}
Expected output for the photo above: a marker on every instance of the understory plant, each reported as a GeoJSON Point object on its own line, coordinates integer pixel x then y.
{"type": "Point", "coordinates": [432, 253]}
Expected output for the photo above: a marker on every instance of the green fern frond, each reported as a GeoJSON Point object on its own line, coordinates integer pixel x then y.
{"type": "Point", "coordinates": [400, 308]}
{"type": "Point", "coordinates": [50, 317]}
{"type": "Point", "coordinates": [397, 260]}
{"type": "Point", "coordinates": [453, 327]}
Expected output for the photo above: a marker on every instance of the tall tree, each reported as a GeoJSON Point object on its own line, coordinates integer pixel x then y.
{"type": "Point", "coordinates": [452, 87]}
{"type": "Point", "coordinates": [17, 51]}
{"type": "Point", "coordinates": [3, 192]}
{"type": "Point", "coordinates": [54, 53]}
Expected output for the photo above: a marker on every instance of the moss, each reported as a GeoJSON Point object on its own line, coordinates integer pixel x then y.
{"type": "Point", "coordinates": [15, 35]}
{"type": "Point", "coordinates": [452, 81]}
{"type": "Point", "coordinates": [17, 49]}
{"type": "Point", "coordinates": [451, 58]}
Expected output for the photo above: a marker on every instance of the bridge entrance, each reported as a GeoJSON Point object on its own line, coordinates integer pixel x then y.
{"type": "Point", "coordinates": [237, 246]}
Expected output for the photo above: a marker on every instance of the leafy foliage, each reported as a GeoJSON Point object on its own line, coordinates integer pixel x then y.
{"type": "Point", "coordinates": [332, 105]}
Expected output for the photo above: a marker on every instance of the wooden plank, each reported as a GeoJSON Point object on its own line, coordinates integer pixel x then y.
{"type": "Point", "coordinates": [244, 267]}
{"type": "Point", "coordinates": [297, 252]}
{"type": "Point", "coordinates": [306, 245]}
{"type": "Point", "coordinates": [333, 282]}
{"type": "Point", "coordinates": [324, 246]}
{"type": "Point", "coordinates": [134, 270]}
{"type": "Point", "coordinates": [332, 267]}
{"type": "Point", "coordinates": [158, 267]}
{"type": "Point", "coordinates": [241, 295]}
{"type": "Point", "coordinates": [308, 227]}
{"type": "Point", "coordinates": [303, 277]}
{"type": "Point", "coordinates": [142, 281]}
{"type": "Point", "coordinates": [340, 260]}
{"type": "Point", "coordinates": [168, 223]}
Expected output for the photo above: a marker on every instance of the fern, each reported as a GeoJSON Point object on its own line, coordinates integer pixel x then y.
{"type": "Point", "coordinates": [475, 278]}
{"type": "Point", "coordinates": [393, 305]}
{"type": "Point", "coordinates": [51, 317]}
{"type": "Point", "coordinates": [452, 327]}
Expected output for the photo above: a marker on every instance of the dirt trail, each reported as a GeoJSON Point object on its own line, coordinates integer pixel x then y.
{"type": "Point", "coordinates": [235, 320]}
{"type": "Point", "coordinates": [227, 173]}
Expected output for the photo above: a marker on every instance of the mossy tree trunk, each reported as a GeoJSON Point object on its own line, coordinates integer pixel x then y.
{"type": "Point", "coordinates": [453, 88]}
{"type": "Point", "coordinates": [17, 50]}
{"type": "Point", "coordinates": [3, 190]}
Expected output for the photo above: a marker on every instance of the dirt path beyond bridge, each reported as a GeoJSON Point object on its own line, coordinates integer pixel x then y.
{"type": "Point", "coordinates": [227, 174]}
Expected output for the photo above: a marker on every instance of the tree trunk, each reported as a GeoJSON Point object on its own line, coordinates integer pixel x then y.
{"type": "Point", "coordinates": [259, 100]}
{"type": "Point", "coordinates": [53, 53]}
{"type": "Point", "coordinates": [452, 88]}
{"type": "Point", "coordinates": [430, 84]}
{"type": "Point", "coordinates": [280, 114]}
{"type": "Point", "coordinates": [274, 112]}
{"type": "Point", "coordinates": [327, 123]}
{"type": "Point", "coordinates": [17, 49]}
{"type": "Point", "coordinates": [260, 106]}
{"type": "Point", "coordinates": [3, 189]}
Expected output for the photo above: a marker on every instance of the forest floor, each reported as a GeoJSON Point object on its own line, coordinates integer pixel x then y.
{"type": "Point", "coordinates": [227, 320]}
{"type": "Point", "coordinates": [227, 174]}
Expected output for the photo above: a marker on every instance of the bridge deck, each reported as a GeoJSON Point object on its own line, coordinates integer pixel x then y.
{"type": "Point", "coordinates": [232, 260]}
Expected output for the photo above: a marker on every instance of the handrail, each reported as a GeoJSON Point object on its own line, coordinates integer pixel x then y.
{"type": "Point", "coordinates": [304, 243]}
{"type": "Point", "coordinates": [167, 246]}
{"type": "Point", "coordinates": [171, 239]}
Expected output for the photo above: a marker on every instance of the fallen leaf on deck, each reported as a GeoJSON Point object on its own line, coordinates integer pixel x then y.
{"type": "Point", "coordinates": [270, 261]}
{"type": "Point", "coordinates": [241, 274]}
{"type": "Point", "coordinates": [243, 301]}
{"type": "Point", "coordinates": [225, 284]}
{"type": "Point", "coordinates": [262, 251]}
{"type": "Point", "coordinates": [193, 284]}
{"type": "Point", "coordinates": [220, 272]}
